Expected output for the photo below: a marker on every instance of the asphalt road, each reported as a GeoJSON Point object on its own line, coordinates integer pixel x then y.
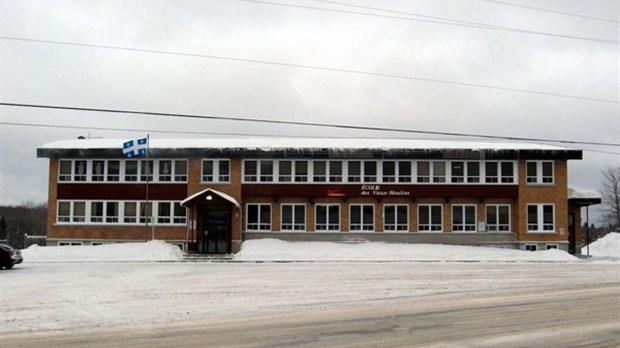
{"type": "Point", "coordinates": [567, 317]}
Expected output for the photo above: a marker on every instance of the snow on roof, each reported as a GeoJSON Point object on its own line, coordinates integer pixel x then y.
{"type": "Point", "coordinates": [574, 193]}
{"type": "Point", "coordinates": [275, 143]}
{"type": "Point", "coordinates": [225, 196]}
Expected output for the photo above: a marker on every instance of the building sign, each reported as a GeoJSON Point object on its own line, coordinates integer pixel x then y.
{"type": "Point", "coordinates": [379, 191]}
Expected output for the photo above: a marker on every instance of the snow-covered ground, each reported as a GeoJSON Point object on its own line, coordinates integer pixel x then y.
{"type": "Point", "coordinates": [55, 289]}
{"type": "Point", "coordinates": [607, 248]}
{"type": "Point", "coordinates": [277, 250]}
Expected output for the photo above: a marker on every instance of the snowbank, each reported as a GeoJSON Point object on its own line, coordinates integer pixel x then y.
{"type": "Point", "coordinates": [278, 250]}
{"type": "Point", "coordinates": [608, 246]}
{"type": "Point", "coordinates": [149, 251]}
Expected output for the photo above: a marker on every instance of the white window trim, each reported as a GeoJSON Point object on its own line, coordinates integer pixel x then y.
{"type": "Point", "coordinates": [430, 218]}
{"type": "Point", "coordinates": [122, 168]}
{"type": "Point", "coordinates": [362, 222]}
{"type": "Point", "coordinates": [282, 229]}
{"type": "Point", "coordinates": [497, 216]}
{"type": "Point", "coordinates": [540, 217]}
{"type": "Point", "coordinates": [247, 215]}
{"type": "Point", "coordinates": [396, 222]}
{"type": "Point", "coordinates": [464, 224]}
{"type": "Point", "coordinates": [539, 178]}
{"type": "Point", "coordinates": [121, 213]}
{"type": "Point", "coordinates": [216, 171]}
{"type": "Point", "coordinates": [328, 205]}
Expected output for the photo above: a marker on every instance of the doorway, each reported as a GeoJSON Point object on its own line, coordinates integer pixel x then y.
{"type": "Point", "coordinates": [215, 236]}
{"type": "Point", "coordinates": [572, 234]}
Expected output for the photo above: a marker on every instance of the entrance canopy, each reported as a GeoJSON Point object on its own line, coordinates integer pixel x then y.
{"type": "Point", "coordinates": [208, 195]}
{"type": "Point", "coordinates": [583, 198]}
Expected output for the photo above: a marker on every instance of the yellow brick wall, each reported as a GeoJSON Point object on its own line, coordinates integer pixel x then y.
{"type": "Point", "coordinates": [556, 194]}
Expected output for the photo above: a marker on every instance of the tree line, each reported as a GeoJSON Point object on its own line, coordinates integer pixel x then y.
{"type": "Point", "coordinates": [17, 221]}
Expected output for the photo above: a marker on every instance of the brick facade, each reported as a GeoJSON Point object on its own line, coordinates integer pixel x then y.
{"type": "Point", "coordinates": [517, 195]}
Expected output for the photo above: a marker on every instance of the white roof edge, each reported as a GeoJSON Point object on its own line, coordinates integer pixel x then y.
{"type": "Point", "coordinates": [226, 196]}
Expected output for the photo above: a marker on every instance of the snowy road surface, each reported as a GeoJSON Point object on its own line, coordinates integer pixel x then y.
{"type": "Point", "coordinates": [311, 304]}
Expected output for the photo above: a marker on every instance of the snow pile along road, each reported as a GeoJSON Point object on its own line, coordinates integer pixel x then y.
{"type": "Point", "coordinates": [606, 247]}
{"type": "Point", "coordinates": [155, 250]}
{"type": "Point", "coordinates": [278, 250]}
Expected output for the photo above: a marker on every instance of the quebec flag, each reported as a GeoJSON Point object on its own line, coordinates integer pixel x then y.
{"type": "Point", "coordinates": [137, 147]}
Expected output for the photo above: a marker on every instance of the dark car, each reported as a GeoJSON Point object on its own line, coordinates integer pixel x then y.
{"type": "Point", "coordinates": [9, 256]}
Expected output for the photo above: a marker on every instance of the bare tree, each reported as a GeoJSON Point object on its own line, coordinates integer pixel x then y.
{"type": "Point", "coordinates": [610, 196]}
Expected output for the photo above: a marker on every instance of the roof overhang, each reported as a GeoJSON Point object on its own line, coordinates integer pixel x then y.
{"type": "Point", "coordinates": [583, 198]}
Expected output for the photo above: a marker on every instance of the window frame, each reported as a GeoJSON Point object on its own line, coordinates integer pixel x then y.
{"type": "Point", "coordinates": [397, 226]}
{"type": "Point", "coordinates": [464, 226]}
{"type": "Point", "coordinates": [294, 226]}
{"type": "Point", "coordinates": [432, 227]}
{"type": "Point", "coordinates": [259, 225]}
{"type": "Point", "coordinates": [540, 177]}
{"type": "Point", "coordinates": [499, 227]}
{"type": "Point", "coordinates": [364, 225]}
{"type": "Point", "coordinates": [329, 226]}
{"type": "Point", "coordinates": [541, 225]}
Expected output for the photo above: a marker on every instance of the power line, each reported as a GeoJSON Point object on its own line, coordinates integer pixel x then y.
{"type": "Point", "coordinates": [447, 22]}
{"type": "Point", "coordinates": [553, 11]}
{"type": "Point", "coordinates": [315, 67]}
{"type": "Point", "coordinates": [308, 124]}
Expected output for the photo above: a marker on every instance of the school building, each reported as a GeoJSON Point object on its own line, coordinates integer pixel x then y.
{"type": "Point", "coordinates": [210, 195]}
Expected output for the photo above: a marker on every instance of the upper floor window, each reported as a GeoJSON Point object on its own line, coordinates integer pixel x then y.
{"type": "Point", "coordinates": [396, 171]}
{"type": "Point", "coordinates": [258, 170]}
{"type": "Point", "coordinates": [64, 170]}
{"type": "Point", "coordinates": [98, 171]}
{"type": "Point", "coordinates": [499, 172]}
{"type": "Point", "coordinates": [539, 172]}
{"type": "Point", "coordinates": [434, 171]}
{"type": "Point", "coordinates": [216, 171]}
{"type": "Point", "coordinates": [465, 172]}
{"type": "Point", "coordinates": [113, 171]}
{"type": "Point", "coordinates": [79, 170]}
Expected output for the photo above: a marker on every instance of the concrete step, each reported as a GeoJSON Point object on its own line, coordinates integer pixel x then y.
{"type": "Point", "coordinates": [207, 257]}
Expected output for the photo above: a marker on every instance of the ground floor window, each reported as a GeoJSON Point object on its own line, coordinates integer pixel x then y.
{"type": "Point", "coordinates": [258, 217]}
{"type": "Point", "coordinates": [396, 217]}
{"type": "Point", "coordinates": [464, 218]}
{"type": "Point", "coordinates": [551, 246]}
{"type": "Point", "coordinates": [293, 217]}
{"type": "Point", "coordinates": [362, 217]}
{"type": "Point", "coordinates": [327, 217]}
{"type": "Point", "coordinates": [498, 218]}
{"type": "Point", "coordinates": [540, 218]}
{"type": "Point", "coordinates": [430, 218]}
{"type": "Point", "coordinates": [531, 247]}
{"type": "Point", "coordinates": [120, 212]}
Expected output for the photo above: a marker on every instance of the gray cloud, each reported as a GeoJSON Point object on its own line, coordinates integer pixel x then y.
{"type": "Point", "coordinates": [95, 77]}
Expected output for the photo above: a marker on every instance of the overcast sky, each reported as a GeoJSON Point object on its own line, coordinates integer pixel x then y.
{"type": "Point", "coordinates": [553, 61]}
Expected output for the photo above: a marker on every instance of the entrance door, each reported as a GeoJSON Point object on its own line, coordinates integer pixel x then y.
{"type": "Point", "coordinates": [571, 233]}
{"type": "Point", "coordinates": [216, 231]}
